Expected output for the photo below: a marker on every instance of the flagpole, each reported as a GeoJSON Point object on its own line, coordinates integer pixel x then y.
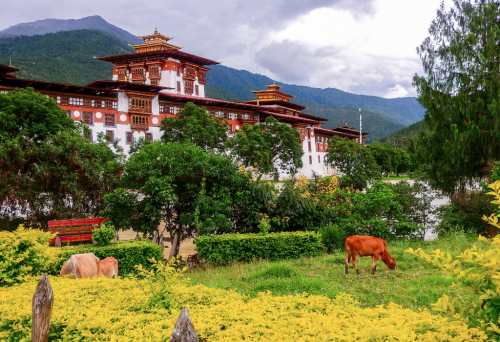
{"type": "Point", "coordinates": [360, 138]}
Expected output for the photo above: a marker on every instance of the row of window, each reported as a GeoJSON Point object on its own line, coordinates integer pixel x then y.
{"type": "Point", "coordinates": [88, 118]}
{"type": "Point", "coordinates": [84, 102]}
{"type": "Point", "coordinates": [319, 159]}
{"type": "Point", "coordinates": [319, 147]}
{"type": "Point", "coordinates": [129, 137]}
{"type": "Point", "coordinates": [188, 88]}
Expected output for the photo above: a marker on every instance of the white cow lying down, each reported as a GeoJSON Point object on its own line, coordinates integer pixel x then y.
{"type": "Point", "coordinates": [88, 265]}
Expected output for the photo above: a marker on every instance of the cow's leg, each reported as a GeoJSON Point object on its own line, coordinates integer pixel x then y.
{"type": "Point", "coordinates": [354, 259]}
{"type": "Point", "coordinates": [347, 259]}
{"type": "Point", "coordinates": [374, 263]}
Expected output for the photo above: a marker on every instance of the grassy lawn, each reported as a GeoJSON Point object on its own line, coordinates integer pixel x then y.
{"type": "Point", "coordinates": [395, 177]}
{"type": "Point", "coordinates": [415, 284]}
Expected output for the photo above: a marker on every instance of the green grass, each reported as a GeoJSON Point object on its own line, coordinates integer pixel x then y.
{"type": "Point", "coordinates": [395, 177]}
{"type": "Point", "coordinates": [415, 284]}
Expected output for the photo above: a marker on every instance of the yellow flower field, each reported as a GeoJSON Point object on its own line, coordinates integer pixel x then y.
{"type": "Point", "coordinates": [102, 309]}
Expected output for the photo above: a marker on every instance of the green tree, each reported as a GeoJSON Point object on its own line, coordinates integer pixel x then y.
{"type": "Point", "coordinates": [460, 92]}
{"type": "Point", "coordinates": [194, 125]}
{"type": "Point", "coordinates": [193, 191]}
{"type": "Point", "coordinates": [356, 163]}
{"type": "Point", "coordinates": [269, 147]}
{"type": "Point", "coordinates": [48, 169]}
{"type": "Point", "coordinates": [384, 157]}
{"type": "Point", "coordinates": [403, 161]}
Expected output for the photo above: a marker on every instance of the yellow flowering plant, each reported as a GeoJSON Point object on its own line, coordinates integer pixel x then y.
{"type": "Point", "coordinates": [23, 252]}
{"type": "Point", "coordinates": [102, 309]}
{"type": "Point", "coordinates": [476, 269]}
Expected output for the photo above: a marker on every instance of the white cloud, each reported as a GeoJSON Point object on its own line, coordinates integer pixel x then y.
{"type": "Point", "coordinates": [360, 46]}
{"type": "Point", "coordinates": [397, 91]}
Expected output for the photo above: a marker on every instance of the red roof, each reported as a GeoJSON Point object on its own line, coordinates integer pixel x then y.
{"type": "Point", "coordinates": [154, 54]}
{"type": "Point", "coordinates": [207, 101]}
{"type": "Point", "coordinates": [4, 69]}
{"type": "Point", "coordinates": [279, 103]}
{"type": "Point", "coordinates": [334, 132]}
{"type": "Point", "coordinates": [290, 117]}
{"type": "Point", "coordinates": [312, 117]}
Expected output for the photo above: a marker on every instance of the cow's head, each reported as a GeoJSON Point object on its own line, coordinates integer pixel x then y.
{"type": "Point", "coordinates": [392, 264]}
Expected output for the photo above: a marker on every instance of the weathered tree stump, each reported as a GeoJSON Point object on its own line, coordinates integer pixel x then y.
{"type": "Point", "coordinates": [57, 243]}
{"type": "Point", "coordinates": [43, 299]}
{"type": "Point", "coordinates": [184, 329]}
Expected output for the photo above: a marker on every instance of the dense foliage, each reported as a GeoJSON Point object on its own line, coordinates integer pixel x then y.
{"type": "Point", "coordinates": [269, 147]}
{"type": "Point", "coordinates": [23, 252]}
{"type": "Point", "coordinates": [460, 94]}
{"type": "Point", "coordinates": [193, 125]}
{"type": "Point", "coordinates": [401, 138]}
{"type": "Point", "coordinates": [356, 163]}
{"type": "Point", "coordinates": [475, 269]}
{"type": "Point", "coordinates": [63, 57]}
{"type": "Point", "coordinates": [48, 169]}
{"type": "Point", "coordinates": [104, 234]}
{"type": "Point", "coordinates": [193, 191]}
{"type": "Point", "coordinates": [390, 159]}
{"type": "Point", "coordinates": [223, 249]}
{"type": "Point", "coordinates": [127, 253]}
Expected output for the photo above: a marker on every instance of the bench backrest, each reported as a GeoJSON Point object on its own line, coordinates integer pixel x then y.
{"type": "Point", "coordinates": [77, 226]}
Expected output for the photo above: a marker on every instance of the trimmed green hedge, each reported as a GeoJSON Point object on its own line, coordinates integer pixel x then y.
{"type": "Point", "coordinates": [222, 249]}
{"type": "Point", "coordinates": [127, 253]}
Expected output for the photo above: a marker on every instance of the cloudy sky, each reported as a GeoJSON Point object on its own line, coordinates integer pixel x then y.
{"type": "Point", "coordinates": [361, 46]}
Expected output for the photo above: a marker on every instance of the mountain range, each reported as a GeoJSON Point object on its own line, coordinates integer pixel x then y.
{"type": "Point", "coordinates": [67, 56]}
{"type": "Point", "coordinates": [44, 26]}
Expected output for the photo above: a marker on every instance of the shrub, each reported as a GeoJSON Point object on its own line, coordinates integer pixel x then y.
{"type": "Point", "coordinates": [223, 249]}
{"type": "Point", "coordinates": [101, 309]}
{"type": "Point", "coordinates": [475, 269]}
{"type": "Point", "coordinates": [333, 236]}
{"type": "Point", "coordinates": [128, 254]}
{"type": "Point", "coordinates": [23, 252]}
{"type": "Point", "coordinates": [104, 235]}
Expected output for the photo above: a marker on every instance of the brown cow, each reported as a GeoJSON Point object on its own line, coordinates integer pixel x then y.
{"type": "Point", "coordinates": [108, 267]}
{"type": "Point", "coordinates": [367, 246]}
{"type": "Point", "coordinates": [81, 266]}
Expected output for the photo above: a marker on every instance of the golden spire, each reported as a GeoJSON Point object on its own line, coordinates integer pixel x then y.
{"type": "Point", "coordinates": [156, 30]}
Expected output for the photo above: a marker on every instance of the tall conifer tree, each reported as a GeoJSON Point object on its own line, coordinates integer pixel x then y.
{"type": "Point", "coordinates": [460, 92]}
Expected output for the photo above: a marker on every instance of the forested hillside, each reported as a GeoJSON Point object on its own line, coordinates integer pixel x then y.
{"type": "Point", "coordinates": [64, 57]}
{"type": "Point", "coordinates": [377, 125]}
{"type": "Point", "coordinates": [240, 82]}
{"type": "Point", "coordinates": [94, 22]}
{"type": "Point", "coordinates": [408, 132]}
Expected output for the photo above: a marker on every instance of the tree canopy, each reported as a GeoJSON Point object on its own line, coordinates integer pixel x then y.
{"type": "Point", "coordinates": [194, 125]}
{"type": "Point", "coordinates": [48, 169]}
{"type": "Point", "coordinates": [355, 162]}
{"type": "Point", "coordinates": [193, 191]}
{"type": "Point", "coordinates": [460, 92]}
{"type": "Point", "coordinates": [269, 147]}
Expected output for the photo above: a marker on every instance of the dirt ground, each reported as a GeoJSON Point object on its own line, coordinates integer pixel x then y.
{"type": "Point", "coordinates": [186, 248]}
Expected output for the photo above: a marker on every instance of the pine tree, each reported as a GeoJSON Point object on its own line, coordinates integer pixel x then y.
{"type": "Point", "coordinates": [460, 92]}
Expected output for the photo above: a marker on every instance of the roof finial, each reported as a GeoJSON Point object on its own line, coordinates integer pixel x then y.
{"type": "Point", "coordinates": [156, 30]}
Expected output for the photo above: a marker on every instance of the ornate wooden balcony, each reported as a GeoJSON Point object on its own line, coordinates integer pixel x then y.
{"type": "Point", "coordinates": [139, 123]}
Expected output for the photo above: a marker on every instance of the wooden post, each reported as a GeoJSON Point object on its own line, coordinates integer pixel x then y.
{"type": "Point", "coordinates": [137, 236]}
{"type": "Point", "coordinates": [43, 299]}
{"type": "Point", "coordinates": [57, 243]}
{"type": "Point", "coordinates": [184, 329]}
{"type": "Point", "coordinates": [155, 237]}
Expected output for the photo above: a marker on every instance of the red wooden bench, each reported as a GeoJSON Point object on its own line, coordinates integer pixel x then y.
{"type": "Point", "coordinates": [82, 227]}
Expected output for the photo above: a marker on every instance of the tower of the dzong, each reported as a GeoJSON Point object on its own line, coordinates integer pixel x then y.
{"type": "Point", "coordinates": [156, 62]}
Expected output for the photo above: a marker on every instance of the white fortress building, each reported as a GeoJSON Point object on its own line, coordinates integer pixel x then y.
{"type": "Point", "coordinates": [156, 82]}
